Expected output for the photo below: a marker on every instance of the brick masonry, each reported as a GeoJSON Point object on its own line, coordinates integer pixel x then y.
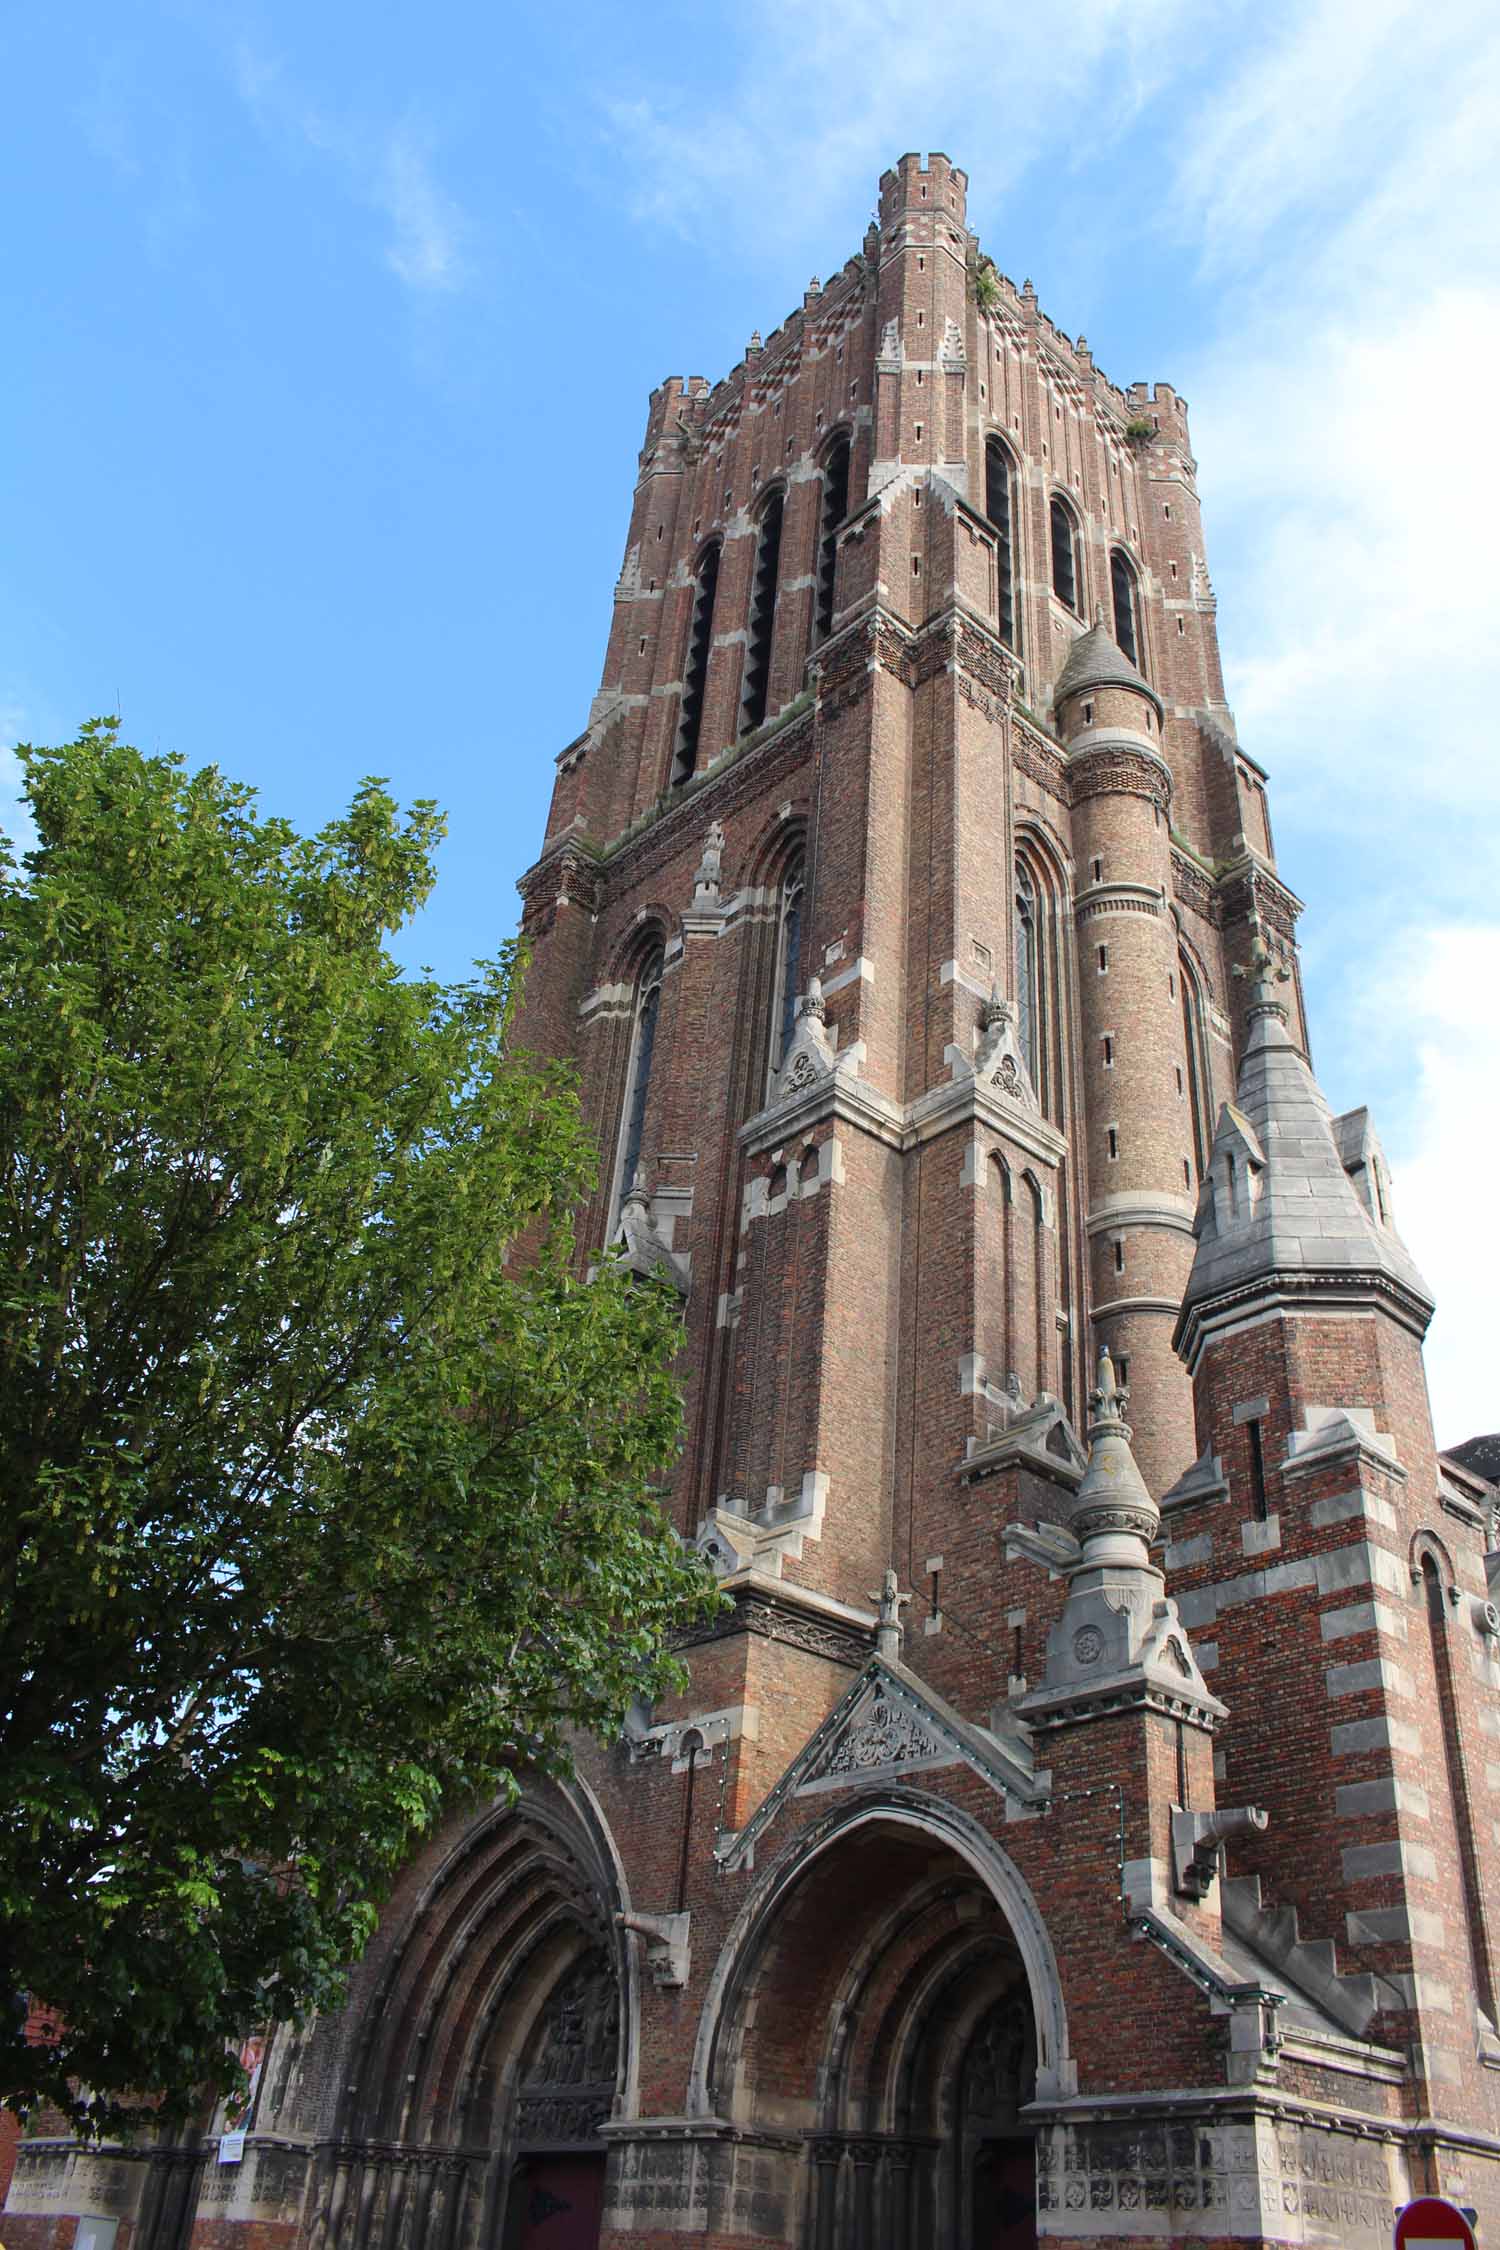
{"type": "Point", "coordinates": [870, 1955]}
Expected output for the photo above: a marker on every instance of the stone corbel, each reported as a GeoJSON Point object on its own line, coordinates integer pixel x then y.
{"type": "Point", "coordinates": [668, 1945]}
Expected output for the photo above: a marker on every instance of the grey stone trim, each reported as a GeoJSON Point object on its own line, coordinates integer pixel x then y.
{"type": "Point", "coordinates": [1363, 1800]}
{"type": "Point", "coordinates": [1363, 1862]}
{"type": "Point", "coordinates": [1357, 1679]}
{"type": "Point", "coordinates": [1381, 1733]}
{"type": "Point", "coordinates": [1351, 1507]}
{"type": "Point", "coordinates": [1395, 1925]}
{"type": "Point", "coordinates": [1361, 1617]}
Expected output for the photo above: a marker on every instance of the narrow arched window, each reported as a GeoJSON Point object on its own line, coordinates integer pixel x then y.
{"type": "Point", "coordinates": [835, 509]}
{"type": "Point", "coordinates": [1196, 1047]}
{"type": "Point", "coordinates": [998, 507]}
{"type": "Point", "coordinates": [762, 615]}
{"type": "Point", "coordinates": [788, 985]}
{"type": "Point", "coordinates": [1064, 554]}
{"type": "Point", "coordinates": [638, 1077]}
{"type": "Point", "coordinates": [695, 670]}
{"type": "Point", "coordinates": [1127, 603]}
{"type": "Point", "coordinates": [1027, 970]}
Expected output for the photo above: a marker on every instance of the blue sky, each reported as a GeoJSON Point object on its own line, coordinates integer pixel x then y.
{"type": "Point", "coordinates": [329, 333]}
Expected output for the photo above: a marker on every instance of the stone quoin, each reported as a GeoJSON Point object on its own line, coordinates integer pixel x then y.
{"type": "Point", "coordinates": [1081, 1826]}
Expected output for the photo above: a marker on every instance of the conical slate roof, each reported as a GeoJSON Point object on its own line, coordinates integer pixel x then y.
{"type": "Point", "coordinates": [1097, 660]}
{"type": "Point", "coordinates": [1278, 1203]}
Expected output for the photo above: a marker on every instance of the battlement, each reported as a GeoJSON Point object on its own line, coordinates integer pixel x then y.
{"type": "Point", "coordinates": [934, 185]}
{"type": "Point", "coordinates": [937, 184]}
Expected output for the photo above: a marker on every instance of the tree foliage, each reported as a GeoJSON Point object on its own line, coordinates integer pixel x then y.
{"type": "Point", "coordinates": [321, 1513]}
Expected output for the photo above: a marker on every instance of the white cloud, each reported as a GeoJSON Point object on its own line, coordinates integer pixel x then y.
{"type": "Point", "coordinates": [424, 249]}
{"type": "Point", "coordinates": [1339, 192]}
{"type": "Point", "coordinates": [1347, 107]}
{"type": "Point", "coordinates": [1438, 990]}
{"type": "Point", "coordinates": [387, 167]}
{"type": "Point", "coordinates": [821, 100]}
{"type": "Point", "coordinates": [1357, 571]}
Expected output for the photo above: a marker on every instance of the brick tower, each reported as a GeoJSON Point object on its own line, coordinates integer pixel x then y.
{"type": "Point", "coordinates": [1077, 1829]}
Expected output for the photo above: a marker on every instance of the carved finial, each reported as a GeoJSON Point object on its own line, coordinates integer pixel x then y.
{"type": "Point", "coordinates": [811, 1003]}
{"type": "Point", "coordinates": [890, 1602]}
{"type": "Point", "coordinates": [710, 866]}
{"type": "Point", "coordinates": [1098, 613]}
{"type": "Point", "coordinates": [994, 1011]}
{"type": "Point", "coordinates": [754, 344]}
{"type": "Point", "coordinates": [814, 287]}
{"type": "Point", "coordinates": [1107, 1402]}
{"type": "Point", "coordinates": [1263, 972]}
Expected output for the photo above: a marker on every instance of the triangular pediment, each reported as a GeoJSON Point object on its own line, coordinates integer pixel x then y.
{"type": "Point", "coordinates": [887, 1725]}
{"type": "Point", "coordinates": [883, 1730]}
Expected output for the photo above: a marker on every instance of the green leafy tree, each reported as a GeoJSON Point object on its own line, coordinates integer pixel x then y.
{"type": "Point", "coordinates": [322, 1511]}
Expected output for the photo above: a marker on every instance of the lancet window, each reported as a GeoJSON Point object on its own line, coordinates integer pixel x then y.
{"type": "Point", "coordinates": [762, 615]}
{"type": "Point", "coordinates": [695, 669]}
{"type": "Point", "coordinates": [835, 508]}
{"type": "Point", "coordinates": [1127, 605]}
{"type": "Point", "coordinates": [638, 1076]}
{"type": "Point", "coordinates": [789, 979]}
{"type": "Point", "coordinates": [1064, 554]}
{"type": "Point", "coordinates": [1195, 1042]}
{"type": "Point", "coordinates": [998, 506]}
{"type": "Point", "coordinates": [1027, 971]}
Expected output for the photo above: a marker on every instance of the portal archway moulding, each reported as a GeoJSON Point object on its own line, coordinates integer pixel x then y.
{"type": "Point", "coordinates": [910, 1810]}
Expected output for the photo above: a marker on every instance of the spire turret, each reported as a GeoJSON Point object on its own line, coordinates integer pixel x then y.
{"type": "Point", "coordinates": [1279, 1211]}
{"type": "Point", "coordinates": [1096, 661]}
{"type": "Point", "coordinates": [1119, 1642]}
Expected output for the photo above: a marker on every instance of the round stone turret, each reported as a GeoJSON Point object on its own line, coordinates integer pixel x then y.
{"type": "Point", "coordinates": [1099, 687]}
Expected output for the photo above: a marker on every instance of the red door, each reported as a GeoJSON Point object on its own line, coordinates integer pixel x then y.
{"type": "Point", "coordinates": [562, 2203]}
{"type": "Point", "coordinates": [1005, 2196]}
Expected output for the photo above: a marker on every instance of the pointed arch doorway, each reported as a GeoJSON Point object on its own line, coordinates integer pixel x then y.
{"type": "Point", "coordinates": [876, 2006]}
{"type": "Point", "coordinates": [565, 2085]}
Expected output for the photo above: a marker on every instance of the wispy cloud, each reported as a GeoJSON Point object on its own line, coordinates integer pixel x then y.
{"type": "Point", "coordinates": [1339, 194]}
{"type": "Point", "coordinates": [821, 99]}
{"type": "Point", "coordinates": [426, 224]}
{"type": "Point", "coordinates": [1436, 986]}
{"type": "Point", "coordinates": [387, 166]}
{"type": "Point", "coordinates": [1328, 190]}
{"type": "Point", "coordinates": [129, 127]}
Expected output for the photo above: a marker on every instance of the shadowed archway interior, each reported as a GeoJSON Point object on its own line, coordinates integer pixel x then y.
{"type": "Point", "coordinates": [882, 2019]}
{"type": "Point", "coordinates": [489, 2050]}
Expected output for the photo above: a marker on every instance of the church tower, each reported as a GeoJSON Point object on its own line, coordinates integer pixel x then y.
{"type": "Point", "coordinates": [1078, 1826]}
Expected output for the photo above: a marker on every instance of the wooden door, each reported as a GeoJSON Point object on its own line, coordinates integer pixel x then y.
{"type": "Point", "coordinates": [1005, 2195]}
{"type": "Point", "coordinates": [561, 2203]}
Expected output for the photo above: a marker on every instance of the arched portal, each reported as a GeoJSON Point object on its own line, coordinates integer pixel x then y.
{"type": "Point", "coordinates": [489, 2047]}
{"type": "Point", "coordinates": [875, 2015]}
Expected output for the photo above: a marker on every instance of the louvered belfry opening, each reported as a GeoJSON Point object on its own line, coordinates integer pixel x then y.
{"type": "Point", "coordinates": [835, 509]}
{"type": "Point", "coordinates": [762, 616]}
{"type": "Point", "coordinates": [997, 506]}
{"type": "Point", "coordinates": [1122, 588]}
{"type": "Point", "coordinates": [695, 671]}
{"type": "Point", "coordinates": [1064, 561]}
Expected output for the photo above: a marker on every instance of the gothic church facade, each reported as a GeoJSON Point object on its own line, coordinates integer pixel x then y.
{"type": "Point", "coordinates": [1080, 1826]}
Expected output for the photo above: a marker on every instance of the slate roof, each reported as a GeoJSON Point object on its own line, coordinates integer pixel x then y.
{"type": "Point", "coordinates": [1479, 1455]}
{"type": "Point", "coordinates": [1278, 1200]}
{"type": "Point", "coordinates": [1097, 660]}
